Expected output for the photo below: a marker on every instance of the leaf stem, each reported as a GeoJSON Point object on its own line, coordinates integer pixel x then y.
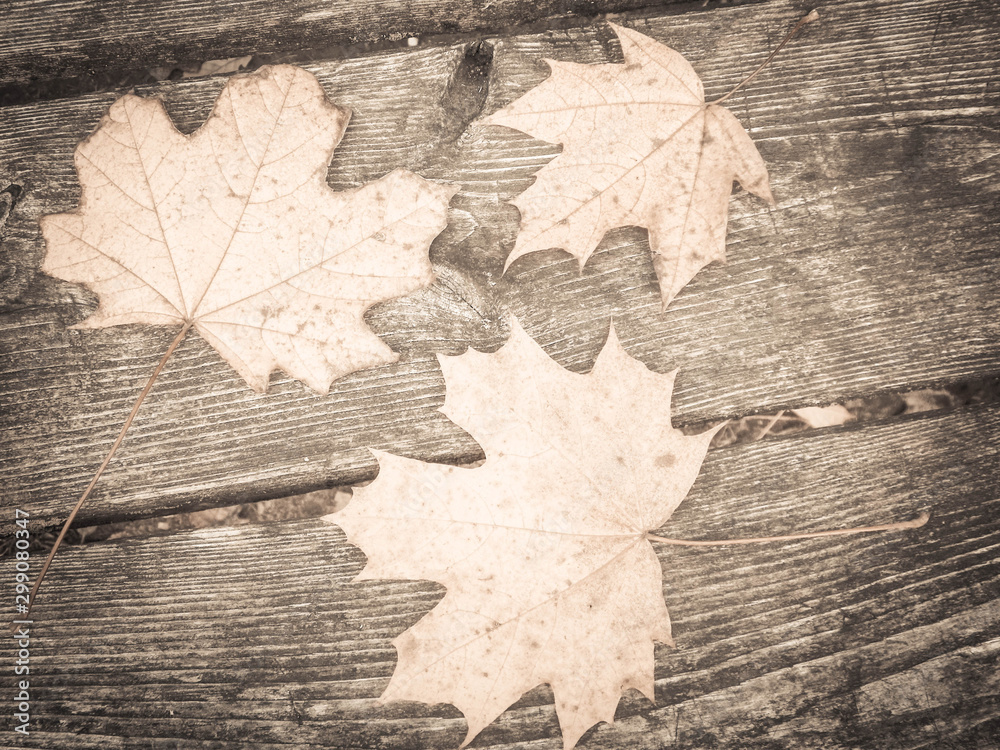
{"type": "Point", "coordinates": [915, 523]}
{"type": "Point", "coordinates": [104, 464]}
{"type": "Point", "coordinates": [811, 16]}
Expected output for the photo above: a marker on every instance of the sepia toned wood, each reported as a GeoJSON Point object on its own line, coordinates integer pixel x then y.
{"type": "Point", "coordinates": [223, 637]}
{"type": "Point", "coordinates": [47, 39]}
{"type": "Point", "coordinates": [877, 270]}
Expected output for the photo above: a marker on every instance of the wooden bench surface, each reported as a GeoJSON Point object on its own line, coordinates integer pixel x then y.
{"type": "Point", "coordinates": [876, 271]}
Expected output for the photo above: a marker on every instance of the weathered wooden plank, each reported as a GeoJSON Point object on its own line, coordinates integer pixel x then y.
{"type": "Point", "coordinates": [877, 270]}
{"type": "Point", "coordinates": [48, 39]}
{"type": "Point", "coordinates": [881, 641]}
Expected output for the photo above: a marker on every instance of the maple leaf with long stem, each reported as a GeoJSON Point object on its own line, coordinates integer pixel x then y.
{"type": "Point", "coordinates": [544, 549]}
{"type": "Point", "coordinates": [234, 232]}
{"type": "Point", "coordinates": [641, 147]}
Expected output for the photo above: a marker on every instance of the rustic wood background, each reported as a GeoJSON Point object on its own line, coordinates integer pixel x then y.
{"type": "Point", "coordinates": [878, 270]}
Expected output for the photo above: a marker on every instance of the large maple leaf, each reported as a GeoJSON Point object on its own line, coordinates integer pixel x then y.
{"type": "Point", "coordinates": [542, 549]}
{"type": "Point", "coordinates": [234, 230]}
{"type": "Point", "coordinates": [640, 147]}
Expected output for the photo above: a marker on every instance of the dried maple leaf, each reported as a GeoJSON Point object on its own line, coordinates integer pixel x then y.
{"type": "Point", "coordinates": [542, 549]}
{"type": "Point", "coordinates": [640, 147]}
{"type": "Point", "coordinates": [235, 231]}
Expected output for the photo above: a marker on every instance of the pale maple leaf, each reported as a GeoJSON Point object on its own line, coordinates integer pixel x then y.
{"type": "Point", "coordinates": [234, 230]}
{"type": "Point", "coordinates": [542, 549]}
{"type": "Point", "coordinates": [641, 147]}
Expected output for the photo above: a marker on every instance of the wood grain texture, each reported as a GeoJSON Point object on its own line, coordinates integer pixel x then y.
{"type": "Point", "coordinates": [258, 635]}
{"type": "Point", "coordinates": [878, 269]}
{"type": "Point", "coordinates": [47, 39]}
